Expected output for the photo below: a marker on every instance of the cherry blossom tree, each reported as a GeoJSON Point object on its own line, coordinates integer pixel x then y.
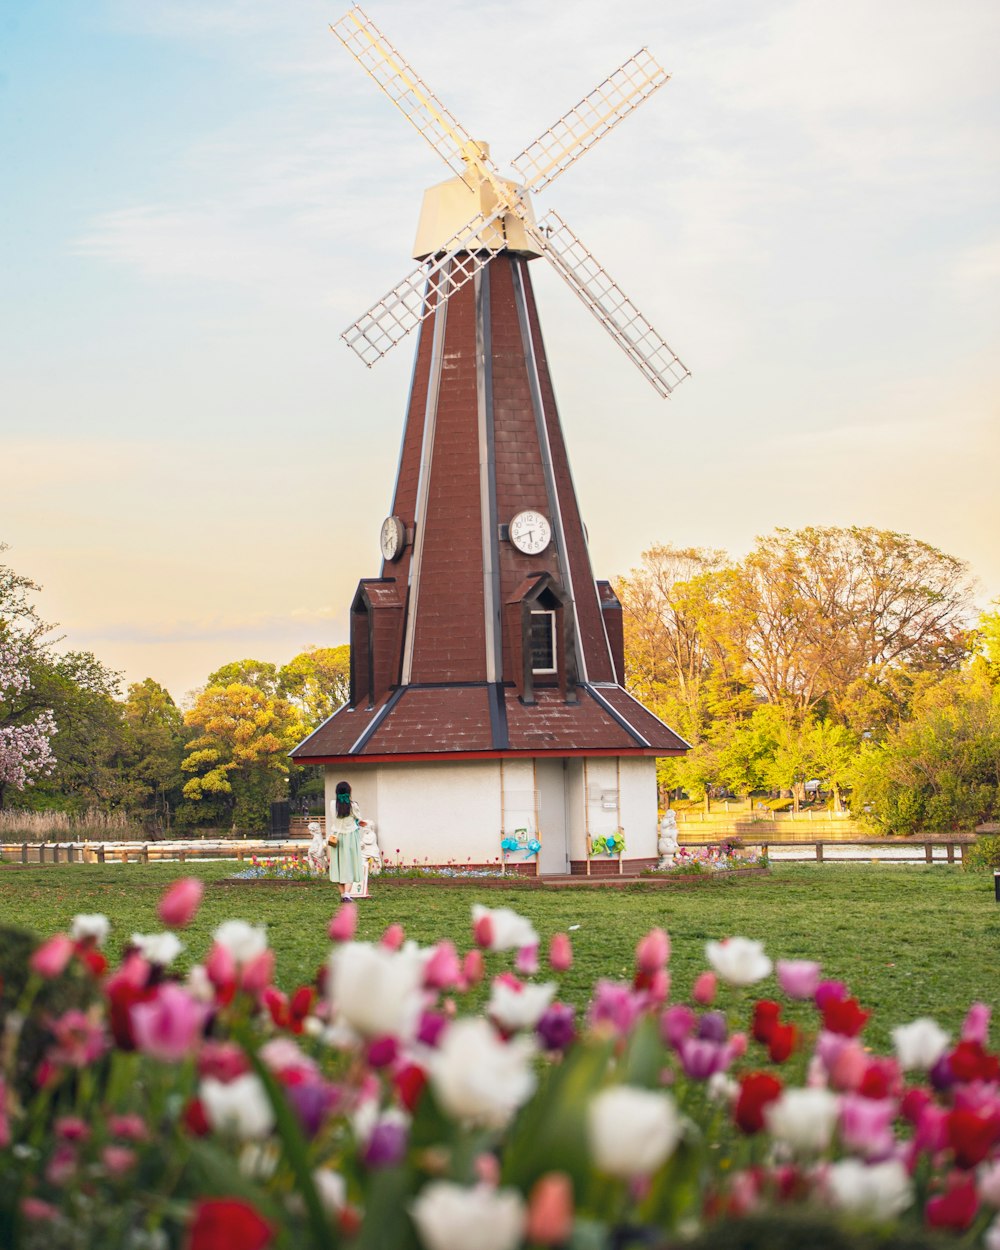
{"type": "Point", "coordinates": [25, 749]}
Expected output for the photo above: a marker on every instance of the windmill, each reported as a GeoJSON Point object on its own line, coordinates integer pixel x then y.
{"type": "Point", "coordinates": [487, 706]}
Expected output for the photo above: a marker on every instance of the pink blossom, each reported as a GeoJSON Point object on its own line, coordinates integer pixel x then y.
{"type": "Point", "coordinates": [79, 1040]}
{"type": "Point", "coordinates": [130, 1126]}
{"type": "Point", "coordinates": [849, 1068]}
{"type": "Point", "coordinates": [473, 967]}
{"type": "Point", "coordinates": [676, 1023]}
{"type": "Point", "coordinates": [25, 752]}
{"type": "Point", "coordinates": [51, 958]}
{"type": "Point", "coordinates": [614, 1005]}
{"type": "Point", "coordinates": [169, 1026]}
{"type": "Point", "coordinates": [442, 970]}
{"type": "Point", "coordinates": [931, 1131]}
{"type": "Point", "coordinates": [866, 1125]}
{"type": "Point", "coordinates": [737, 1046]}
{"type": "Point", "coordinates": [220, 967]}
{"type": "Point", "coordinates": [482, 931]}
{"type": "Point", "coordinates": [36, 1210]}
{"type": "Point", "coordinates": [560, 953]}
{"type": "Point", "coordinates": [829, 992]}
{"type": "Point", "coordinates": [223, 1061]}
{"type": "Point", "coordinates": [702, 1058]}
{"type": "Point", "coordinates": [527, 960]}
{"type": "Point", "coordinates": [344, 924]}
{"type": "Point", "coordinates": [658, 987]}
{"type": "Point", "coordinates": [285, 1059]}
{"type": "Point", "coordinates": [180, 902]}
{"type": "Point", "coordinates": [61, 1166]}
{"type": "Point", "coordinates": [118, 1159]}
{"type": "Point", "coordinates": [977, 1024]}
{"type": "Point", "coordinates": [258, 972]}
{"type": "Point", "coordinates": [394, 936]}
{"type": "Point", "coordinates": [798, 978]}
{"type": "Point", "coordinates": [705, 987]}
{"type": "Point", "coordinates": [652, 951]}
{"type": "Point", "coordinates": [71, 1128]}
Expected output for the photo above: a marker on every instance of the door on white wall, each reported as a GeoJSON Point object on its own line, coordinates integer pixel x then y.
{"type": "Point", "coordinates": [550, 780]}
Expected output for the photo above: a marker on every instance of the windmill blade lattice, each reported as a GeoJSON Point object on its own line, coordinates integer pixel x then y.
{"type": "Point", "coordinates": [411, 301]}
{"type": "Point", "coordinates": [619, 95]}
{"type": "Point", "coordinates": [406, 89]}
{"type": "Point", "coordinates": [595, 287]}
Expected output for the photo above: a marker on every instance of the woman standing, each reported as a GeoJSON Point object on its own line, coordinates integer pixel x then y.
{"type": "Point", "coordinates": [344, 840]}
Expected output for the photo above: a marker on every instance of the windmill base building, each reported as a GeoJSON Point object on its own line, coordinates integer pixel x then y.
{"type": "Point", "coordinates": [487, 706]}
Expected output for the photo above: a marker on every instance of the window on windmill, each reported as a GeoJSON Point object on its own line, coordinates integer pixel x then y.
{"type": "Point", "coordinates": [542, 642]}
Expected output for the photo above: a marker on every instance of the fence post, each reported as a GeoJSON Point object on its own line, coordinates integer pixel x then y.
{"type": "Point", "coordinates": [24, 852]}
{"type": "Point", "coordinates": [145, 853]}
{"type": "Point", "coordinates": [100, 853]}
{"type": "Point", "coordinates": [55, 852]}
{"type": "Point", "coordinates": [951, 852]}
{"type": "Point", "coordinates": [71, 853]}
{"type": "Point", "coordinates": [929, 852]}
{"type": "Point", "coordinates": [819, 852]}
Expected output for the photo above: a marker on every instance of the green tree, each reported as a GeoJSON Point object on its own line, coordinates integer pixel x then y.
{"type": "Point", "coordinates": [238, 759]}
{"type": "Point", "coordinates": [317, 682]}
{"type": "Point", "coordinates": [155, 739]}
{"type": "Point", "coordinates": [261, 674]}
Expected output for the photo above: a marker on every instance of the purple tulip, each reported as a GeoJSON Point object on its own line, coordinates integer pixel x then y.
{"type": "Point", "coordinates": [557, 1026]}
{"type": "Point", "coordinates": [712, 1027]}
{"type": "Point", "coordinates": [702, 1059]}
{"type": "Point", "coordinates": [387, 1145]}
{"type": "Point", "coordinates": [312, 1102]}
{"type": "Point", "coordinates": [616, 1005]}
{"type": "Point", "coordinates": [677, 1023]}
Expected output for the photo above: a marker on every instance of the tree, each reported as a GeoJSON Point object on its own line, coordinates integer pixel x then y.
{"type": "Point", "coordinates": [317, 682]}
{"type": "Point", "coordinates": [238, 760]}
{"type": "Point", "coordinates": [155, 737]}
{"type": "Point", "coordinates": [25, 732]}
{"type": "Point", "coordinates": [261, 674]}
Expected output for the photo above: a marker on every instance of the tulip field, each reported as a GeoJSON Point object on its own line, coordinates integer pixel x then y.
{"type": "Point", "coordinates": [196, 1062]}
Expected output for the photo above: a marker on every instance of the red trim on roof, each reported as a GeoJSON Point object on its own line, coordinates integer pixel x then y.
{"type": "Point", "coordinates": [415, 757]}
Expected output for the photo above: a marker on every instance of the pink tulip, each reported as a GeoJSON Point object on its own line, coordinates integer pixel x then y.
{"type": "Point", "coordinates": [977, 1024]}
{"type": "Point", "coordinates": [866, 1126]}
{"type": "Point", "coordinates": [737, 1046]}
{"type": "Point", "coordinates": [51, 958]}
{"type": "Point", "coordinates": [798, 978]}
{"type": "Point", "coordinates": [258, 972]}
{"type": "Point", "coordinates": [118, 1159]}
{"type": "Point", "coordinates": [180, 902]}
{"type": "Point", "coordinates": [652, 951]}
{"type": "Point", "coordinates": [344, 924]}
{"type": "Point", "coordinates": [830, 992]}
{"type": "Point", "coordinates": [527, 960]}
{"type": "Point", "coordinates": [676, 1024]}
{"type": "Point", "coordinates": [442, 970]}
{"type": "Point", "coordinates": [473, 967]}
{"type": "Point", "coordinates": [220, 967]}
{"type": "Point", "coordinates": [169, 1026]}
{"type": "Point", "coordinates": [704, 989]}
{"type": "Point", "coordinates": [78, 1040]}
{"type": "Point", "coordinates": [71, 1128]}
{"type": "Point", "coordinates": [560, 953]}
{"type": "Point", "coordinates": [550, 1210]}
{"type": "Point", "coordinates": [392, 939]}
{"type": "Point", "coordinates": [658, 987]}
{"type": "Point", "coordinates": [850, 1066]}
{"type": "Point", "coordinates": [482, 932]}
{"type": "Point", "coordinates": [224, 1061]}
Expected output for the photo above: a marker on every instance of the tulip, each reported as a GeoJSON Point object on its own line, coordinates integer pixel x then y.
{"type": "Point", "coordinates": [702, 1059]}
{"type": "Point", "coordinates": [712, 1026]}
{"type": "Point", "coordinates": [705, 987]}
{"type": "Point", "coordinates": [550, 1210]}
{"type": "Point", "coordinates": [224, 1061]}
{"type": "Point", "coordinates": [477, 1077]}
{"type": "Point", "coordinates": [738, 960]}
{"type": "Point", "coordinates": [615, 1007]}
{"type": "Point", "coordinates": [757, 1090]}
{"type": "Point", "coordinates": [560, 953]}
{"type": "Point", "coordinates": [784, 1039]}
{"type": "Point", "coordinates": [956, 1208]}
{"type": "Point", "coordinates": [128, 985]}
{"type": "Point", "coordinates": [240, 1108]}
{"type": "Point", "coordinates": [676, 1023]}
{"type": "Point", "coordinates": [765, 1019]}
{"type": "Point", "coordinates": [79, 1039]}
{"type": "Point", "coordinates": [393, 937]}
{"type": "Point", "coordinates": [652, 952]}
{"type": "Point", "coordinates": [344, 924]}
{"type": "Point", "coordinates": [220, 968]}
{"type": "Point", "coordinates": [455, 1217]}
{"type": "Point", "coordinates": [829, 991]}
{"type": "Point", "coordinates": [866, 1125]}
{"type": "Point", "coordinates": [991, 1238]}
{"type": "Point", "coordinates": [632, 1131]}
{"type": "Point", "coordinates": [557, 1026]}
{"type": "Point", "coordinates": [920, 1045]}
{"type": "Point", "coordinates": [377, 992]}
{"type": "Point", "coordinates": [118, 1159]}
{"type": "Point", "coordinates": [169, 1026]}
{"type": "Point", "coordinates": [976, 1027]}
{"type": "Point", "coordinates": [845, 1015]}
{"type": "Point", "coordinates": [158, 948]}
{"type": "Point", "coordinates": [803, 1118]}
{"type": "Point", "coordinates": [228, 1224]}
{"type": "Point", "coordinates": [180, 902]}
{"type": "Point", "coordinates": [92, 929]}
{"type": "Point", "coordinates": [243, 941]}
{"type": "Point", "coordinates": [527, 960]}
{"type": "Point", "coordinates": [972, 1135]}
{"type": "Point", "coordinates": [988, 1184]}
{"type": "Point", "coordinates": [442, 970]}
{"type": "Point", "coordinates": [500, 929]}
{"type": "Point", "coordinates": [877, 1192]}
{"type": "Point", "coordinates": [473, 967]}
{"type": "Point", "coordinates": [51, 958]}
{"type": "Point", "coordinates": [518, 1005]}
{"type": "Point", "coordinates": [332, 1190]}
{"type": "Point", "coordinates": [798, 978]}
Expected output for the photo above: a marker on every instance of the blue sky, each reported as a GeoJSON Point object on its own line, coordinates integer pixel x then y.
{"type": "Point", "coordinates": [199, 196]}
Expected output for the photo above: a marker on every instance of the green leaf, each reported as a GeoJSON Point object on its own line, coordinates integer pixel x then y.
{"type": "Point", "coordinates": [645, 1057]}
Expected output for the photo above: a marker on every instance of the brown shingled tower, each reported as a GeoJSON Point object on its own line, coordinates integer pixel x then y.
{"type": "Point", "coordinates": [487, 666]}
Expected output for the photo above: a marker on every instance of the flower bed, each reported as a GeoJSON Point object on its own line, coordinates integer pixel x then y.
{"type": "Point", "coordinates": [372, 1107]}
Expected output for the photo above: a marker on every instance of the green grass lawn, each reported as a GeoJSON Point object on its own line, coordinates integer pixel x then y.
{"type": "Point", "coordinates": [909, 940]}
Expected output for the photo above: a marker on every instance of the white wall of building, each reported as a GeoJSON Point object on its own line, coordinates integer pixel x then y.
{"type": "Point", "coordinates": [638, 806]}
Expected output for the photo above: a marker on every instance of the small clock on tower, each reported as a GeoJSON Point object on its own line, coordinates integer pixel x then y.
{"type": "Point", "coordinates": [392, 537]}
{"type": "Point", "coordinates": [530, 532]}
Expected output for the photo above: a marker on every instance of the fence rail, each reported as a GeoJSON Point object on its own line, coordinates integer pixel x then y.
{"type": "Point", "coordinates": [898, 849]}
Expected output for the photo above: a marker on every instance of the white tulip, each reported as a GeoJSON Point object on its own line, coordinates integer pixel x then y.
{"type": "Point", "coordinates": [375, 991]}
{"type": "Point", "coordinates": [509, 931]}
{"type": "Point", "coordinates": [238, 1107]}
{"type": "Point", "coordinates": [877, 1191]}
{"type": "Point", "coordinates": [920, 1045]}
{"type": "Point", "coordinates": [803, 1118]}
{"type": "Point", "coordinates": [738, 960]}
{"type": "Point", "coordinates": [93, 926]}
{"type": "Point", "coordinates": [479, 1078]}
{"type": "Point", "coordinates": [519, 1006]}
{"type": "Point", "coordinates": [991, 1239]}
{"type": "Point", "coordinates": [243, 941]}
{"type": "Point", "coordinates": [631, 1130]}
{"type": "Point", "coordinates": [988, 1183]}
{"type": "Point", "coordinates": [332, 1190]}
{"type": "Point", "coordinates": [457, 1217]}
{"type": "Point", "coordinates": [158, 948]}
{"type": "Point", "coordinates": [198, 984]}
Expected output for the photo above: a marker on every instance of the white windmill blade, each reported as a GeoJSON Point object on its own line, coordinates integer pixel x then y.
{"type": "Point", "coordinates": [591, 283]}
{"type": "Point", "coordinates": [590, 120]}
{"type": "Point", "coordinates": [411, 301]}
{"type": "Point", "coordinates": [407, 90]}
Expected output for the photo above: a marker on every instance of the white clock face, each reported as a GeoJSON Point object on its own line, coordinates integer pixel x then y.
{"type": "Point", "coordinates": [391, 538]}
{"type": "Point", "coordinates": [530, 532]}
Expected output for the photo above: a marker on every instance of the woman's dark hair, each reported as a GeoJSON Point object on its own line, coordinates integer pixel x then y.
{"type": "Point", "coordinates": [343, 798]}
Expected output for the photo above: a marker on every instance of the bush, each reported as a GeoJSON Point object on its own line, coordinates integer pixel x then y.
{"type": "Point", "coordinates": [983, 856]}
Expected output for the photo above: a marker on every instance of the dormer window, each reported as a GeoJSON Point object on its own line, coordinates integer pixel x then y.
{"type": "Point", "coordinates": [542, 641]}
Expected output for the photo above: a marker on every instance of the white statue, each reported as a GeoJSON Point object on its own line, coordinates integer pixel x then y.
{"type": "Point", "coordinates": [316, 855]}
{"type": "Point", "coordinates": [370, 852]}
{"type": "Point", "coordinates": [667, 842]}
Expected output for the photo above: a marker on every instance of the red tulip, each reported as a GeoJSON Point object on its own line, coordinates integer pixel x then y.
{"type": "Point", "coordinates": [757, 1089]}
{"type": "Point", "coordinates": [228, 1224]}
{"type": "Point", "coordinates": [956, 1208]}
{"type": "Point", "coordinates": [971, 1135]}
{"type": "Point", "coordinates": [784, 1038]}
{"type": "Point", "coordinates": [550, 1210]}
{"type": "Point", "coordinates": [766, 1013]}
{"type": "Point", "coordinates": [844, 1016]}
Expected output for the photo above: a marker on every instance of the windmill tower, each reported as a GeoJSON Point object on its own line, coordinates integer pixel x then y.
{"type": "Point", "coordinates": [487, 667]}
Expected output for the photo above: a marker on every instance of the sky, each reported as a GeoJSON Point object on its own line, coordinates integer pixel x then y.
{"type": "Point", "coordinates": [199, 195]}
